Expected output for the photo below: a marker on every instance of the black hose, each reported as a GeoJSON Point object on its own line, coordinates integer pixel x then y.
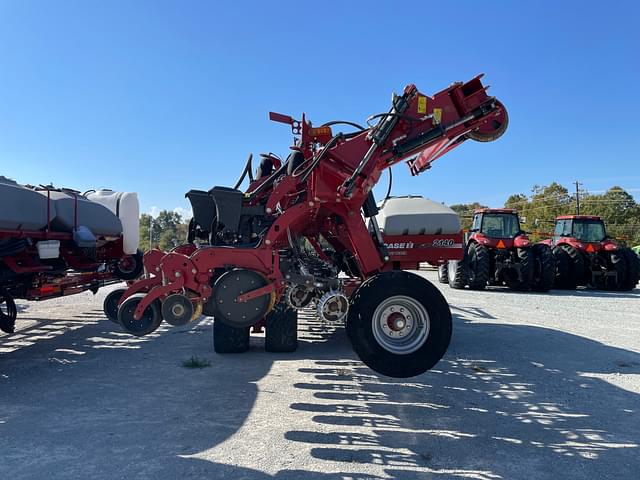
{"type": "Point", "coordinates": [343, 122]}
{"type": "Point", "coordinates": [390, 185]}
{"type": "Point", "coordinates": [248, 167]}
{"type": "Point", "coordinates": [13, 247]}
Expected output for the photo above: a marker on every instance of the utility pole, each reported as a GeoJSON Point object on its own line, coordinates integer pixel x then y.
{"type": "Point", "coordinates": [578, 197]}
{"type": "Point", "coordinates": [150, 232]}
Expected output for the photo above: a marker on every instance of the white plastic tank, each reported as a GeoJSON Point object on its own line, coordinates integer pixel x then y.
{"type": "Point", "coordinates": [126, 206]}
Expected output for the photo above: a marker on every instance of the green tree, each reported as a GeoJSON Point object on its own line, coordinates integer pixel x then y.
{"type": "Point", "coordinates": [166, 231]}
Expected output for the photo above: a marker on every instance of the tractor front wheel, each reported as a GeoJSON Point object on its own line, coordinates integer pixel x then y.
{"type": "Point", "coordinates": [544, 269]}
{"type": "Point", "coordinates": [478, 266]}
{"type": "Point", "coordinates": [576, 265]}
{"type": "Point", "coordinates": [399, 324]}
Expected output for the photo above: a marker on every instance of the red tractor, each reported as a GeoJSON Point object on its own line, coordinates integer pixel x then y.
{"type": "Point", "coordinates": [586, 255]}
{"type": "Point", "coordinates": [498, 252]}
{"type": "Point", "coordinates": [305, 231]}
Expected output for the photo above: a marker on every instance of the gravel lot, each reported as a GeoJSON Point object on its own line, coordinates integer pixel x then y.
{"type": "Point", "coordinates": [533, 386]}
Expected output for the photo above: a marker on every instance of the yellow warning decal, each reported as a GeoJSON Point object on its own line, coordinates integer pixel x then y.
{"type": "Point", "coordinates": [422, 104]}
{"type": "Point", "coordinates": [590, 248]}
{"type": "Point", "coordinates": [437, 115]}
{"type": "Point", "coordinates": [500, 244]}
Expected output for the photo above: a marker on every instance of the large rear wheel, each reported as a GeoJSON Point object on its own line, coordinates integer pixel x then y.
{"type": "Point", "coordinates": [522, 278]}
{"type": "Point", "coordinates": [632, 275]}
{"type": "Point", "coordinates": [457, 273]}
{"type": "Point", "coordinates": [443, 273]}
{"type": "Point", "coordinates": [281, 329]}
{"type": "Point", "coordinates": [544, 268]}
{"type": "Point", "coordinates": [576, 265]}
{"type": "Point", "coordinates": [478, 266]}
{"type": "Point", "coordinates": [399, 324]}
{"type": "Point", "coordinates": [563, 279]}
{"type": "Point", "coordinates": [228, 339]}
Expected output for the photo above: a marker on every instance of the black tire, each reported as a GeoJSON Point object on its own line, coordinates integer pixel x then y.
{"type": "Point", "coordinates": [544, 269]}
{"type": "Point", "coordinates": [228, 339]}
{"type": "Point", "coordinates": [380, 294]}
{"type": "Point", "coordinates": [632, 274]}
{"type": "Point", "coordinates": [523, 280]}
{"type": "Point", "coordinates": [110, 304]}
{"type": "Point", "coordinates": [129, 268]}
{"type": "Point", "coordinates": [8, 312]}
{"type": "Point", "coordinates": [281, 329]}
{"type": "Point", "coordinates": [576, 265]}
{"type": "Point", "coordinates": [457, 273]}
{"type": "Point", "coordinates": [149, 322]}
{"type": "Point", "coordinates": [563, 280]}
{"type": "Point", "coordinates": [443, 273]}
{"type": "Point", "coordinates": [478, 266]}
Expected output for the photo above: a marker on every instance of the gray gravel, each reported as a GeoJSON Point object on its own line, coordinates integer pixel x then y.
{"type": "Point", "coordinates": [533, 386]}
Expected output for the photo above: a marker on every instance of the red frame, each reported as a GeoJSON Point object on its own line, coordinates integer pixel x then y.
{"type": "Point", "coordinates": [334, 193]}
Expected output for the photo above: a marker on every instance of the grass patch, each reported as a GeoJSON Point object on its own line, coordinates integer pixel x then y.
{"type": "Point", "coordinates": [196, 362]}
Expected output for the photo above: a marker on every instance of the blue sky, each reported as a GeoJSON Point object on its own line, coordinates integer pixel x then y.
{"type": "Point", "coordinates": [159, 97]}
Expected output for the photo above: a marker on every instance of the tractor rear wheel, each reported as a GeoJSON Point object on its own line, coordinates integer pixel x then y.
{"type": "Point", "coordinates": [228, 339]}
{"type": "Point", "coordinates": [443, 273]}
{"type": "Point", "coordinates": [563, 279]}
{"type": "Point", "coordinates": [478, 266]}
{"type": "Point", "coordinates": [544, 268]}
{"type": "Point", "coordinates": [281, 327]}
{"type": "Point", "coordinates": [399, 324]}
{"type": "Point", "coordinates": [576, 265]}
{"type": "Point", "coordinates": [457, 273]}
{"type": "Point", "coordinates": [521, 281]}
{"type": "Point", "coordinates": [632, 276]}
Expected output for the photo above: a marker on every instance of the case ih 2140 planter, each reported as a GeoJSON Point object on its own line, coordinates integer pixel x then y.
{"type": "Point", "coordinates": [258, 265]}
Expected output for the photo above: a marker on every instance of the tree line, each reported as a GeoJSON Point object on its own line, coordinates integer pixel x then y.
{"type": "Point", "coordinates": [616, 206]}
{"type": "Point", "coordinates": [538, 211]}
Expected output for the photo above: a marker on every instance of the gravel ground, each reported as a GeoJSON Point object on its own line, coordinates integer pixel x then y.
{"type": "Point", "coordinates": [533, 387]}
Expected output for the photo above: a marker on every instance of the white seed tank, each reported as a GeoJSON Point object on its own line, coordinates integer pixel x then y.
{"type": "Point", "coordinates": [415, 215]}
{"type": "Point", "coordinates": [126, 207]}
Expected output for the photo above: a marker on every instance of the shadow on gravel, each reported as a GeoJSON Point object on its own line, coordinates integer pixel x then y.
{"type": "Point", "coordinates": [136, 412]}
{"type": "Point", "coordinates": [506, 402]}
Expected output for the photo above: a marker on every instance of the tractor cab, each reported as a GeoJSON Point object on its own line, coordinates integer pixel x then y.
{"type": "Point", "coordinates": [583, 232]}
{"type": "Point", "coordinates": [498, 228]}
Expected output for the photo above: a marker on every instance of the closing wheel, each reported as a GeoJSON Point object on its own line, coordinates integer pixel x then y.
{"type": "Point", "coordinates": [177, 310]}
{"type": "Point", "coordinates": [228, 339]}
{"type": "Point", "coordinates": [110, 305]}
{"type": "Point", "coordinates": [399, 324]}
{"type": "Point", "coordinates": [149, 321]}
{"type": "Point", "coordinates": [8, 312]}
{"type": "Point", "coordinates": [129, 267]}
{"type": "Point", "coordinates": [493, 128]}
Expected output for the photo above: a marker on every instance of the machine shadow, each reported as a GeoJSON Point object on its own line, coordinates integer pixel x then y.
{"type": "Point", "coordinates": [507, 401]}
{"type": "Point", "coordinates": [137, 411]}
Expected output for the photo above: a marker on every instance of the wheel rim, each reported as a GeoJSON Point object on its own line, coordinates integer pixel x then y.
{"type": "Point", "coordinates": [401, 325]}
